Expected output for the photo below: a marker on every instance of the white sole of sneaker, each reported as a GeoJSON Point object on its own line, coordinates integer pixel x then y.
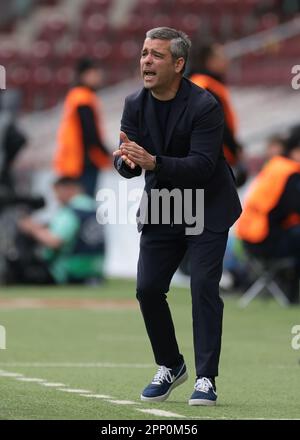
{"type": "Point", "coordinates": [202, 402]}
{"type": "Point", "coordinates": [164, 397]}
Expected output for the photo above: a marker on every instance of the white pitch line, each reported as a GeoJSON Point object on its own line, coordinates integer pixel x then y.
{"type": "Point", "coordinates": [85, 393]}
{"type": "Point", "coordinates": [97, 396]}
{"type": "Point", "coordinates": [161, 413]}
{"type": "Point", "coordinates": [210, 418]}
{"type": "Point", "coordinates": [30, 379]}
{"type": "Point", "coordinates": [73, 365]}
{"type": "Point", "coordinates": [74, 390]}
{"type": "Point", "coordinates": [89, 394]}
{"type": "Point", "coordinates": [7, 374]}
{"type": "Point", "coordinates": [124, 402]}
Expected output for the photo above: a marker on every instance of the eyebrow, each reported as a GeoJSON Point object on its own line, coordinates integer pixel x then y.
{"type": "Point", "coordinates": [155, 52]}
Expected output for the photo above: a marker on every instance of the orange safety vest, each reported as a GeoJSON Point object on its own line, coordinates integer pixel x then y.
{"type": "Point", "coordinates": [221, 91]}
{"type": "Point", "coordinates": [263, 196]}
{"type": "Point", "coordinates": [69, 156]}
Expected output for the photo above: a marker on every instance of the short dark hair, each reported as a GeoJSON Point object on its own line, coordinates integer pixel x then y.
{"type": "Point", "coordinates": [67, 181]}
{"type": "Point", "coordinates": [85, 64]}
{"type": "Point", "coordinates": [180, 42]}
{"type": "Point", "coordinates": [277, 139]}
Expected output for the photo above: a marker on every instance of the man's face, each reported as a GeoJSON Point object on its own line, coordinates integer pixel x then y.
{"type": "Point", "coordinates": [158, 67]}
{"type": "Point", "coordinates": [92, 78]}
{"type": "Point", "coordinates": [274, 149]}
{"type": "Point", "coordinates": [64, 193]}
{"type": "Point", "coordinates": [218, 62]}
{"type": "Point", "coordinates": [61, 194]}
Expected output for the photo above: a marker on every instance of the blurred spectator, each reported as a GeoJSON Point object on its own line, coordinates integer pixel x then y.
{"type": "Point", "coordinates": [270, 223]}
{"type": "Point", "coordinates": [275, 147]}
{"type": "Point", "coordinates": [72, 248]}
{"type": "Point", "coordinates": [12, 200]}
{"type": "Point", "coordinates": [237, 274]}
{"type": "Point", "coordinates": [209, 67]}
{"type": "Point", "coordinates": [81, 152]}
{"type": "Point", "coordinates": [12, 140]}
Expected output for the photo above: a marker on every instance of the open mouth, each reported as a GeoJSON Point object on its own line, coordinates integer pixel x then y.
{"type": "Point", "coordinates": [149, 74]}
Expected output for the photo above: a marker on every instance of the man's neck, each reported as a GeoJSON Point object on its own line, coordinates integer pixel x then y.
{"type": "Point", "coordinates": [170, 93]}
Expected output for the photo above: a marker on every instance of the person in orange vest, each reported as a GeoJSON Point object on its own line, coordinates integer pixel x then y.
{"type": "Point", "coordinates": [270, 222]}
{"type": "Point", "coordinates": [276, 145]}
{"type": "Point", "coordinates": [81, 152]}
{"type": "Point", "coordinates": [208, 70]}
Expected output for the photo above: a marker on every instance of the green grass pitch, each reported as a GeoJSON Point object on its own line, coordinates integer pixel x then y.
{"type": "Point", "coordinates": [106, 351]}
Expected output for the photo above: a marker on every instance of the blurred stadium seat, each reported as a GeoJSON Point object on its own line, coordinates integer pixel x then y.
{"type": "Point", "coordinates": [59, 40]}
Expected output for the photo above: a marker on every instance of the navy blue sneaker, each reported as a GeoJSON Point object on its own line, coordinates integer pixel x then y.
{"type": "Point", "coordinates": [204, 393]}
{"type": "Point", "coordinates": [165, 380]}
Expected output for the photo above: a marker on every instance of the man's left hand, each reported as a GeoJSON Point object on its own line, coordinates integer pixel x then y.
{"type": "Point", "coordinates": [138, 155]}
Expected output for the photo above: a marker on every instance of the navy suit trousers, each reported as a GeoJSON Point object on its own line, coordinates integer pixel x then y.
{"type": "Point", "coordinates": [162, 248]}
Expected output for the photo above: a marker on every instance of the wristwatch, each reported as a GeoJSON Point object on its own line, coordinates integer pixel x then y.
{"type": "Point", "coordinates": [158, 164]}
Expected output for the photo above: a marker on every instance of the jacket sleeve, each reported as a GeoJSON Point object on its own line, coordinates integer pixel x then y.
{"type": "Point", "coordinates": [206, 144]}
{"type": "Point", "coordinates": [90, 133]}
{"type": "Point", "coordinates": [130, 126]}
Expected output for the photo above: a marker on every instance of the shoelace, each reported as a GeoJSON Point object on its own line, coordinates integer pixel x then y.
{"type": "Point", "coordinates": [163, 373]}
{"type": "Point", "coordinates": [203, 385]}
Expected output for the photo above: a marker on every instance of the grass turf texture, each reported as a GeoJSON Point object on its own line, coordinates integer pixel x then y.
{"type": "Point", "coordinates": [259, 371]}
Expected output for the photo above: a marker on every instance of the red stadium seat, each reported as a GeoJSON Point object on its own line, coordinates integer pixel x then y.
{"type": "Point", "coordinates": [102, 51]}
{"type": "Point", "coordinates": [188, 5]}
{"type": "Point", "coordinates": [42, 76]}
{"type": "Point", "coordinates": [290, 48]}
{"type": "Point", "coordinates": [134, 28]}
{"type": "Point", "coordinates": [94, 27]}
{"type": "Point", "coordinates": [160, 20]}
{"type": "Point", "coordinates": [53, 29]}
{"type": "Point", "coordinates": [125, 54]}
{"type": "Point", "coordinates": [74, 52]}
{"type": "Point", "coordinates": [8, 54]}
{"type": "Point", "coordinates": [146, 6]}
{"type": "Point", "coordinates": [45, 70]}
{"type": "Point", "coordinates": [96, 6]}
{"type": "Point", "coordinates": [41, 52]}
{"type": "Point", "coordinates": [18, 76]}
{"type": "Point", "coordinates": [188, 23]}
{"type": "Point", "coordinates": [64, 77]}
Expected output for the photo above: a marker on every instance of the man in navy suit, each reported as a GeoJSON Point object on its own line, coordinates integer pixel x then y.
{"type": "Point", "coordinates": [173, 130]}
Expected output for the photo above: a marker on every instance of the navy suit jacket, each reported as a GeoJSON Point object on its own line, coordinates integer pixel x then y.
{"type": "Point", "coordinates": [192, 155]}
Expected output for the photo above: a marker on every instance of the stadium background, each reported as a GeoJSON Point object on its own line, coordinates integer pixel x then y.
{"type": "Point", "coordinates": [40, 42]}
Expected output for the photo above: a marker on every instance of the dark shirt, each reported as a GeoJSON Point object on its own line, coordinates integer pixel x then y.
{"type": "Point", "coordinates": [162, 111]}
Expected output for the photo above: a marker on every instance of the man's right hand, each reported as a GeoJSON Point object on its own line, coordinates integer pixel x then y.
{"type": "Point", "coordinates": [124, 139]}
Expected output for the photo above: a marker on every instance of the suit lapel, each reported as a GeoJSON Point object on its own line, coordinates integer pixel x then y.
{"type": "Point", "coordinates": [152, 124]}
{"type": "Point", "coordinates": [178, 107]}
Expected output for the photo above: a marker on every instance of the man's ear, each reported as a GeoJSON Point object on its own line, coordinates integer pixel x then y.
{"type": "Point", "coordinates": [179, 64]}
